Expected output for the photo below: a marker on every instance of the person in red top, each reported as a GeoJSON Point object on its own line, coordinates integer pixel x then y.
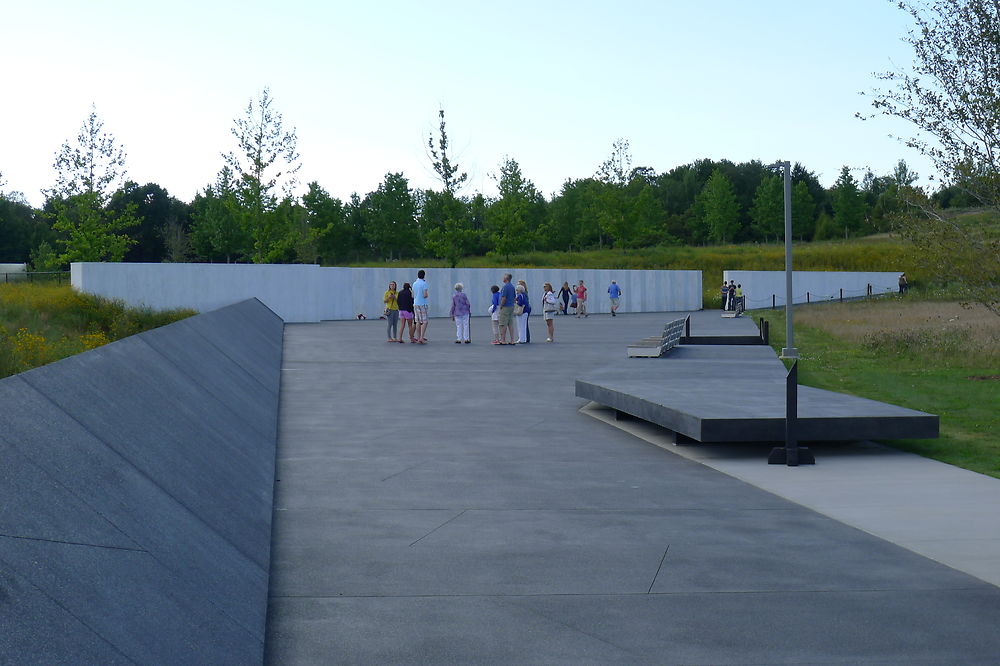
{"type": "Point", "coordinates": [581, 300]}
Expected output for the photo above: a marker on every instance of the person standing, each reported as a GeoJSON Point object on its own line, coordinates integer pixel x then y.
{"type": "Point", "coordinates": [527, 322]}
{"type": "Point", "coordinates": [405, 301]}
{"type": "Point", "coordinates": [581, 300]}
{"type": "Point", "coordinates": [731, 290]}
{"type": "Point", "coordinates": [564, 292]}
{"type": "Point", "coordinates": [615, 294]}
{"type": "Point", "coordinates": [740, 304]}
{"type": "Point", "coordinates": [506, 319]}
{"type": "Point", "coordinates": [461, 310]}
{"type": "Point", "coordinates": [725, 296]}
{"type": "Point", "coordinates": [903, 286]}
{"type": "Point", "coordinates": [521, 310]}
{"type": "Point", "coordinates": [391, 312]}
{"type": "Point", "coordinates": [550, 306]}
{"type": "Point", "coordinates": [495, 313]}
{"type": "Point", "coordinates": [421, 299]}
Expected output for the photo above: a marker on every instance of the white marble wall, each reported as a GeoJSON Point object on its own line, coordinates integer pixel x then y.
{"type": "Point", "coordinates": [303, 293]}
{"type": "Point", "coordinates": [816, 286]}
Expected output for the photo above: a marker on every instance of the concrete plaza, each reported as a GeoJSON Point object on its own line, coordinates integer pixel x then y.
{"type": "Point", "coordinates": [449, 503]}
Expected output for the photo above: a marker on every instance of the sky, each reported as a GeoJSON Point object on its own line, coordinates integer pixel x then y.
{"type": "Point", "coordinates": [551, 84]}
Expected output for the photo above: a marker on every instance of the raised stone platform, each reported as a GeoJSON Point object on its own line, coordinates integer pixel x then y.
{"type": "Point", "coordinates": [736, 393]}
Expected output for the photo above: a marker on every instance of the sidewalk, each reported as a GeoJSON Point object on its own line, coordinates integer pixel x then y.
{"type": "Point", "coordinates": [449, 504]}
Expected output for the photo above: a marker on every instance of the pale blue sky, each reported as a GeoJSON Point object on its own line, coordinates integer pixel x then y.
{"type": "Point", "coordinates": [550, 84]}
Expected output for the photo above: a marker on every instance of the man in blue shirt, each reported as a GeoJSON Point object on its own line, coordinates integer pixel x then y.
{"type": "Point", "coordinates": [506, 319]}
{"type": "Point", "coordinates": [615, 292]}
{"type": "Point", "coordinates": [420, 302]}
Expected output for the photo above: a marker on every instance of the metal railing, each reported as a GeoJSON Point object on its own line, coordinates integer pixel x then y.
{"type": "Point", "coordinates": [37, 276]}
{"type": "Point", "coordinates": [812, 297]}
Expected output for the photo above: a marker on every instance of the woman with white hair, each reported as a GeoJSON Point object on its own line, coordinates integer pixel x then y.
{"type": "Point", "coordinates": [521, 310]}
{"type": "Point", "coordinates": [461, 310]}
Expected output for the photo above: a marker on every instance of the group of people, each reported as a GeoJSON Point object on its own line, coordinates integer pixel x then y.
{"type": "Point", "coordinates": [406, 309]}
{"type": "Point", "coordinates": [732, 297]}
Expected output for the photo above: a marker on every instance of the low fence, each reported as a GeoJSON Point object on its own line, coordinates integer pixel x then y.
{"type": "Point", "coordinates": [309, 293]}
{"type": "Point", "coordinates": [766, 289]}
{"type": "Point", "coordinates": [36, 276]}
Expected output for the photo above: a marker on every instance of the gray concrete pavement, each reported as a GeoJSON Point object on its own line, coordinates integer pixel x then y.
{"type": "Point", "coordinates": [450, 504]}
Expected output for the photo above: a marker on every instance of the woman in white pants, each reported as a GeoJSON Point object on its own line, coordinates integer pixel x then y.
{"type": "Point", "coordinates": [521, 310]}
{"type": "Point", "coordinates": [460, 312]}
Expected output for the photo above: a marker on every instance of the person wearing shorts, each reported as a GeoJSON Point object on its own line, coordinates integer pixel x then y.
{"type": "Point", "coordinates": [506, 318]}
{"type": "Point", "coordinates": [615, 294]}
{"type": "Point", "coordinates": [420, 302]}
{"type": "Point", "coordinates": [405, 301]}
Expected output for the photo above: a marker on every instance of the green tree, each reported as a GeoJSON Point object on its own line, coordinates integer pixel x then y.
{"type": "Point", "coordinates": [719, 208]}
{"type": "Point", "coordinates": [87, 172]}
{"type": "Point", "coordinates": [803, 211]}
{"type": "Point", "coordinates": [615, 214]}
{"type": "Point", "coordinates": [445, 218]}
{"type": "Point", "coordinates": [767, 213]}
{"type": "Point", "coordinates": [216, 230]}
{"type": "Point", "coordinates": [264, 164]}
{"type": "Point", "coordinates": [848, 204]}
{"type": "Point", "coordinates": [326, 217]}
{"type": "Point", "coordinates": [22, 229]}
{"type": "Point", "coordinates": [391, 225]}
{"type": "Point", "coordinates": [949, 96]}
{"type": "Point", "coordinates": [508, 217]}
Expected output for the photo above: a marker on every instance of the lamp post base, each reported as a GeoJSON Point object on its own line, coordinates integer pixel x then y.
{"type": "Point", "coordinates": [789, 353]}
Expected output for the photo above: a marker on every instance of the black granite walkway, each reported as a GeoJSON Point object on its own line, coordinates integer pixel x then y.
{"type": "Point", "coordinates": [448, 504]}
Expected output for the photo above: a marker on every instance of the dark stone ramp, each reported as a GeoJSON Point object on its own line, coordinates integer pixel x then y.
{"type": "Point", "coordinates": [136, 494]}
{"type": "Point", "coordinates": [731, 393]}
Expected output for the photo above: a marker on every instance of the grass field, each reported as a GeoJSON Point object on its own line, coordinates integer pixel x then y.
{"type": "Point", "coordinates": [934, 356]}
{"type": "Point", "coordinates": [41, 323]}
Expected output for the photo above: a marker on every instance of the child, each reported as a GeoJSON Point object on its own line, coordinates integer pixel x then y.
{"type": "Point", "coordinates": [495, 313]}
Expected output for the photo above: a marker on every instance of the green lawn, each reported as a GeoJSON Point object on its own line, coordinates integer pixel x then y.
{"type": "Point", "coordinates": [962, 388]}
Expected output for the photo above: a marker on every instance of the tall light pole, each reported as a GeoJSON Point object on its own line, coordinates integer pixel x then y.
{"type": "Point", "coordinates": [788, 351]}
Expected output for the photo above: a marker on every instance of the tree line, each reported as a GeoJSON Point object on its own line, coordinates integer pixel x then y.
{"type": "Point", "coordinates": [250, 213]}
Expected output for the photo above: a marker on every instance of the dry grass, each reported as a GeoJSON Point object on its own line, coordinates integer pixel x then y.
{"type": "Point", "coordinates": [944, 330]}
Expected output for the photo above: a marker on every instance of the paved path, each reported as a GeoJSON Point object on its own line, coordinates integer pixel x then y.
{"type": "Point", "coordinates": [449, 504]}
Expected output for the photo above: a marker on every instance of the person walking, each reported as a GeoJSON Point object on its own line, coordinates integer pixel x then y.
{"type": "Point", "coordinates": [391, 312]}
{"type": "Point", "coordinates": [461, 311]}
{"type": "Point", "coordinates": [550, 307]}
{"type": "Point", "coordinates": [564, 293]}
{"type": "Point", "coordinates": [506, 319]}
{"type": "Point", "coordinates": [404, 299]}
{"type": "Point", "coordinates": [581, 300]}
{"type": "Point", "coordinates": [421, 300]}
{"type": "Point", "coordinates": [521, 310]}
{"type": "Point", "coordinates": [615, 294]}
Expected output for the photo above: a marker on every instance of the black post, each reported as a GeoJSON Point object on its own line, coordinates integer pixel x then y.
{"type": "Point", "coordinates": [807, 297]}
{"type": "Point", "coordinates": [773, 306]}
{"type": "Point", "coordinates": [791, 453]}
{"type": "Point", "coordinates": [687, 326]}
{"type": "Point", "coordinates": [841, 294]}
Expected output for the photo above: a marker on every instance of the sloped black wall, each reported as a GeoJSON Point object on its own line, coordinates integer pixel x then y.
{"type": "Point", "coordinates": [136, 487]}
